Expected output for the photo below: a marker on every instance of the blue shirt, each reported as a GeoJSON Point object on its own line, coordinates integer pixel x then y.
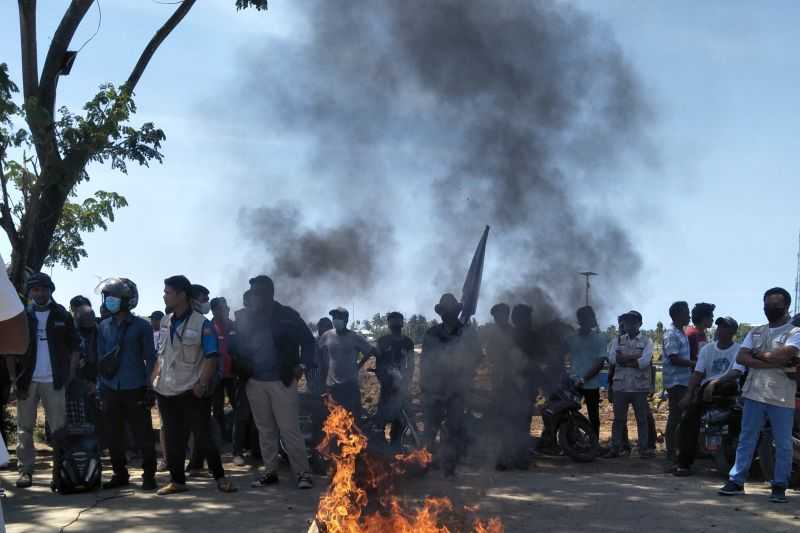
{"type": "Point", "coordinates": [675, 342]}
{"type": "Point", "coordinates": [585, 352]}
{"type": "Point", "coordinates": [137, 353]}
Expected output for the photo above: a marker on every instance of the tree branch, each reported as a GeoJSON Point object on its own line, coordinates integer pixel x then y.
{"type": "Point", "coordinates": [27, 37]}
{"type": "Point", "coordinates": [156, 41]}
{"type": "Point", "coordinates": [55, 54]}
{"type": "Point", "coordinates": [6, 221]}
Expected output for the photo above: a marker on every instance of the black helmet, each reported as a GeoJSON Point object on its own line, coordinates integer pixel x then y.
{"type": "Point", "coordinates": [121, 288]}
{"type": "Point", "coordinates": [39, 279]}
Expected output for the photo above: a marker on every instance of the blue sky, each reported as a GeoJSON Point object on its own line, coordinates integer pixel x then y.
{"type": "Point", "coordinates": [715, 220]}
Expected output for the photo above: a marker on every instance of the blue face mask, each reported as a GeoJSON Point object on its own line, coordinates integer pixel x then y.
{"type": "Point", "coordinates": [113, 304]}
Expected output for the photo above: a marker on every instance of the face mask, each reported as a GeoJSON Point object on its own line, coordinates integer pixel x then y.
{"type": "Point", "coordinates": [339, 324]}
{"type": "Point", "coordinates": [774, 313]}
{"type": "Point", "coordinates": [113, 304]}
{"type": "Point", "coordinates": [43, 306]}
{"type": "Point", "coordinates": [202, 308]}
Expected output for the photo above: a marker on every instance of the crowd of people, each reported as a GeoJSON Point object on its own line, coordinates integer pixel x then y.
{"type": "Point", "coordinates": [190, 366]}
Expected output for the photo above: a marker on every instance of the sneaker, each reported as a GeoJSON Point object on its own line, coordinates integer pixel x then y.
{"type": "Point", "coordinates": [116, 482]}
{"type": "Point", "coordinates": [612, 453]}
{"type": "Point", "coordinates": [238, 460]}
{"type": "Point", "coordinates": [778, 494]}
{"type": "Point", "coordinates": [680, 471]}
{"type": "Point", "coordinates": [149, 483]}
{"type": "Point", "coordinates": [270, 478]}
{"type": "Point", "coordinates": [225, 485]}
{"type": "Point", "coordinates": [731, 488]}
{"type": "Point", "coordinates": [172, 488]}
{"type": "Point", "coordinates": [304, 481]}
{"type": "Point", "coordinates": [646, 454]}
{"type": "Point", "coordinates": [24, 481]}
{"type": "Point", "coordinates": [162, 466]}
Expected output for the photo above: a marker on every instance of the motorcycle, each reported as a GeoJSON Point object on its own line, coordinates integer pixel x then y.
{"type": "Point", "coordinates": [573, 432]}
{"type": "Point", "coordinates": [720, 425]}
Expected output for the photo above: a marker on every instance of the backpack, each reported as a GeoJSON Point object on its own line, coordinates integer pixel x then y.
{"type": "Point", "coordinates": [77, 463]}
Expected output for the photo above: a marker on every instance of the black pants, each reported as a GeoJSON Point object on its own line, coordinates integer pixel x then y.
{"type": "Point", "coordinates": [348, 395]}
{"type": "Point", "coordinates": [592, 399]}
{"type": "Point", "coordinates": [245, 434]}
{"type": "Point", "coordinates": [450, 408]}
{"type": "Point", "coordinates": [688, 434]}
{"type": "Point", "coordinates": [184, 414]}
{"type": "Point", "coordinates": [225, 387]}
{"type": "Point", "coordinates": [390, 405]}
{"type": "Point", "coordinates": [121, 407]}
{"type": "Point", "coordinates": [675, 395]}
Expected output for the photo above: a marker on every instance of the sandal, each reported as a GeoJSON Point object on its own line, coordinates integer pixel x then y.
{"type": "Point", "coordinates": [226, 485]}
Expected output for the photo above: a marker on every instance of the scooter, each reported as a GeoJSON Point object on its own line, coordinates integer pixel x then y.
{"type": "Point", "coordinates": [573, 431]}
{"type": "Point", "coordinates": [720, 425]}
{"type": "Point", "coordinates": [766, 450]}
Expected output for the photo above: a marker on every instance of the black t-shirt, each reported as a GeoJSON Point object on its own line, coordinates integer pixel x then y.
{"type": "Point", "coordinates": [394, 352]}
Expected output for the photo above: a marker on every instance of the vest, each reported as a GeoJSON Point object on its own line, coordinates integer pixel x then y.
{"type": "Point", "coordinates": [180, 355]}
{"type": "Point", "coordinates": [632, 379]}
{"type": "Point", "coordinates": [773, 386]}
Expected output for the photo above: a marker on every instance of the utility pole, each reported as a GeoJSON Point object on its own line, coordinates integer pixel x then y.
{"type": "Point", "coordinates": [588, 275]}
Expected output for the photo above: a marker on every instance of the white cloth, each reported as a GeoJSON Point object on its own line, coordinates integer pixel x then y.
{"type": "Point", "coordinates": [43, 373]}
{"type": "Point", "coordinates": [772, 386]}
{"type": "Point", "coordinates": [715, 362]}
{"type": "Point", "coordinates": [10, 304]}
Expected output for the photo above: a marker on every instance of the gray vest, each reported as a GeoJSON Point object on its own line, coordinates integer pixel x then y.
{"type": "Point", "coordinates": [632, 379]}
{"type": "Point", "coordinates": [180, 355]}
{"type": "Point", "coordinates": [773, 386]}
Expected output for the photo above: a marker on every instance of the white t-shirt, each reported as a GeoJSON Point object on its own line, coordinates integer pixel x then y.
{"type": "Point", "coordinates": [772, 386]}
{"type": "Point", "coordinates": [10, 304]}
{"type": "Point", "coordinates": [43, 373]}
{"type": "Point", "coordinates": [714, 362]}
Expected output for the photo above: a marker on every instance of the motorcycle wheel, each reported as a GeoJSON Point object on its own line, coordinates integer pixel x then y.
{"type": "Point", "coordinates": [766, 456]}
{"type": "Point", "coordinates": [577, 439]}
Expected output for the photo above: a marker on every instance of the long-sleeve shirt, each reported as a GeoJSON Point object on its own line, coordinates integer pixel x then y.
{"type": "Point", "coordinates": [137, 353]}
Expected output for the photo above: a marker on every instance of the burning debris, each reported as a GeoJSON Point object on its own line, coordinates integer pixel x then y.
{"type": "Point", "coordinates": [361, 484]}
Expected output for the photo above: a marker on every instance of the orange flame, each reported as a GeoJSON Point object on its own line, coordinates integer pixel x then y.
{"type": "Point", "coordinates": [341, 509]}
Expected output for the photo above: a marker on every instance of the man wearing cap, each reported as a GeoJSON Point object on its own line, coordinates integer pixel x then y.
{"type": "Point", "coordinates": [394, 367]}
{"type": "Point", "coordinates": [339, 361]}
{"type": "Point", "coordinates": [716, 368]}
{"type": "Point", "coordinates": [450, 355]}
{"type": "Point", "coordinates": [43, 374]}
{"type": "Point", "coordinates": [187, 362]}
{"type": "Point", "coordinates": [771, 352]}
{"type": "Point", "coordinates": [275, 341]}
{"type": "Point", "coordinates": [632, 353]}
{"type": "Point", "coordinates": [676, 371]}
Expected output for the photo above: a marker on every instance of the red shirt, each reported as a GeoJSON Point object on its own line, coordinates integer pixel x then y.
{"type": "Point", "coordinates": [221, 328]}
{"type": "Point", "coordinates": [697, 339]}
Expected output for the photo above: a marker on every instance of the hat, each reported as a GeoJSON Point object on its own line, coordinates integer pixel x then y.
{"type": "Point", "coordinates": [632, 314]}
{"type": "Point", "coordinates": [339, 311]}
{"type": "Point", "coordinates": [39, 279]}
{"type": "Point", "coordinates": [447, 302]}
{"type": "Point", "coordinates": [395, 315]}
{"type": "Point", "coordinates": [499, 308]}
{"type": "Point", "coordinates": [728, 322]}
{"type": "Point", "coordinates": [156, 315]}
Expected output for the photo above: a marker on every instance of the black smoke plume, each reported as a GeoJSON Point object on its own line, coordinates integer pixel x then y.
{"type": "Point", "coordinates": [445, 116]}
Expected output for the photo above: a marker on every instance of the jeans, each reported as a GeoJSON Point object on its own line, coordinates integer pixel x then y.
{"type": "Point", "coordinates": [675, 394]}
{"type": "Point", "coordinates": [622, 400]}
{"type": "Point", "coordinates": [55, 410]}
{"type": "Point", "coordinates": [184, 414]}
{"type": "Point", "coordinates": [753, 416]}
{"type": "Point", "coordinates": [592, 399]}
{"type": "Point", "coordinates": [225, 387]}
{"type": "Point", "coordinates": [128, 406]}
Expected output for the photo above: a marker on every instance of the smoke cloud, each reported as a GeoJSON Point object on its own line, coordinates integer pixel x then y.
{"type": "Point", "coordinates": [429, 120]}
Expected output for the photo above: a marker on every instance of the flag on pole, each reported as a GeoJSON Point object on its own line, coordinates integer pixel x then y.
{"type": "Point", "coordinates": [472, 285]}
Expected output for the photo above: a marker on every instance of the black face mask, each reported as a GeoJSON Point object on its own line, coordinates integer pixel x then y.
{"type": "Point", "coordinates": [774, 313]}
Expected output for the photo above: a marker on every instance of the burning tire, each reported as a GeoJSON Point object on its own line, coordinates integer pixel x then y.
{"type": "Point", "coordinates": [577, 439]}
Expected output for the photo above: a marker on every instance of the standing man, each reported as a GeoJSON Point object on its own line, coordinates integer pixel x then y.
{"type": "Point", "coordinates": [676, 371]}
{"type": "Point", "coordinates": [274, 340]}
{"type": "Point", "coordinates": [126, 359]}
{"type": "Point", "coordinates": [187, 362]}
{"type": "Point", "coordinates": [587, 353]}
{"type": "Point", "coordinates": [716, 367]}
{"type": "Point", "coordinates": [155, 323]}
{"type": "Point", "coordinates": [632, 355]}
{"type": "Point", "coordinates": [450, 355]}
{"type": "Point", "coordinates": [45, 371]}
{"type": "Point", "coordinates": [394, 367]}
{"type": "Point", "coordinates": [702, 320]}
{"type": "Point", "coordinates": [770, 352]}
{"type": "Point", "coordinates": [316, 384]}
{"type": "Point", "coordinates": [340, 362]}
{"type": "Point", "coordinates": [225, 329]}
